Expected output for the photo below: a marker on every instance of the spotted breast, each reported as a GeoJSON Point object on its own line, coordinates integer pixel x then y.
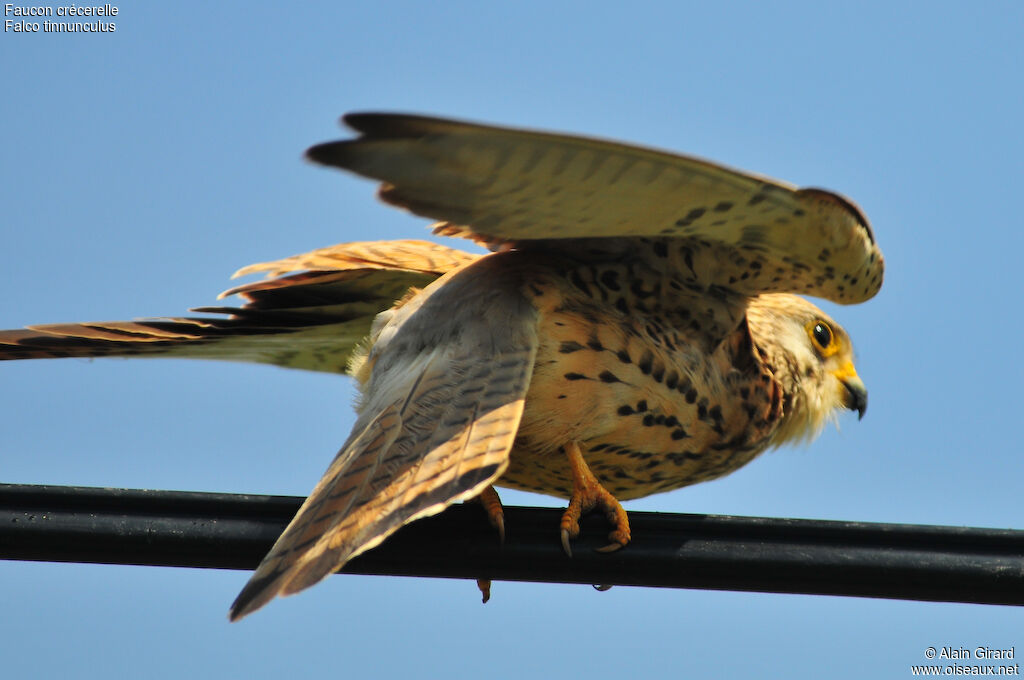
{"type": "Point", "coordinates": [621, 368]}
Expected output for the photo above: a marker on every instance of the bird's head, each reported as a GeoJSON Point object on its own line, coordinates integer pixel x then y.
{"type": "Point", "coordinates": [812, 357]}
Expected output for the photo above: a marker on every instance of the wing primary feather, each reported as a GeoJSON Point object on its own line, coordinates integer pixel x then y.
{"type": "Point", "coordinates": [506, 186]}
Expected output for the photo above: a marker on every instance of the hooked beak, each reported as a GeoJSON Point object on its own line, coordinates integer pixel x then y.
{"type": "Point", "coordinates": [856, 398]}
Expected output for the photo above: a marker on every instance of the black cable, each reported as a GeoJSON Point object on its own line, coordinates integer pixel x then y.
{"type": "Point", "coordinates": [228, 531]}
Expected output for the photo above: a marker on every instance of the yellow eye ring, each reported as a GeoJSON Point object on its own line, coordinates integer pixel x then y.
{"type": "Point", "coordinates": [822, 337]}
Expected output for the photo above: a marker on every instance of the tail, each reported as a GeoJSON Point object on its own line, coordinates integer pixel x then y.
{"type": "Point", "coordinates": [311, 313]}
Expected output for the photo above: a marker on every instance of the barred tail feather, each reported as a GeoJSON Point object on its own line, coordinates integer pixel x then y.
{"type": "Point", "coordinates": [311, 315]}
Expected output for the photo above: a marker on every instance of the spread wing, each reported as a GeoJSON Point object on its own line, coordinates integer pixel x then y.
{"type": "Point", "coordinates": [450, 371]}
{"type": "Point", "coordinates": [505, 185]}
{"type": "Point", "coordinates": [311, 316]}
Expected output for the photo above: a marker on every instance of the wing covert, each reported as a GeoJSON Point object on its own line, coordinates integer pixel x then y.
{"type": "Point", "coordinates": [504, 184]}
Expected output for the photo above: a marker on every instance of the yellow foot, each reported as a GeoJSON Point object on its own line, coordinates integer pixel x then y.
{"type": "Point", "coordinates": [587, 494]}
{"type": "Point", "coordinates": [495, 513]}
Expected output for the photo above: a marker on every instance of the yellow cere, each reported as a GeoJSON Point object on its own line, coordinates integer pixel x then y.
{"type": "Point", "coordinates": [846, 371]}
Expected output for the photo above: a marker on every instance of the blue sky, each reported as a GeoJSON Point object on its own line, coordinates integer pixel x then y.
{"type": "Point", "coordinates": [141, 168]}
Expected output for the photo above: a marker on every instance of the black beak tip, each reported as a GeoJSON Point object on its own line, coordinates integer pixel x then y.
{"type": "Point", "coordinates": [856, 398]}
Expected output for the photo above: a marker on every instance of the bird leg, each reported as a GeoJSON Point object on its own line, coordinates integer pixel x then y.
{"type": "Point", "coordinates": [484, 584]}
{"type": "Point", "coordinates": [496, 516]}
{"type": "Point", "coordinates": [495, 513]}
{"type": "Point", "coordinates": [587, 494]}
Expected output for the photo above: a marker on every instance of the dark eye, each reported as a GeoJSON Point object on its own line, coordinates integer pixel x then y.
{"type": "Point", "coordinates": [822, 335]}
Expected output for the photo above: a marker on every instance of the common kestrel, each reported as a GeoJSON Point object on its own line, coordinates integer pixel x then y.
{"type": "Point", "coordinates": [632, 331]}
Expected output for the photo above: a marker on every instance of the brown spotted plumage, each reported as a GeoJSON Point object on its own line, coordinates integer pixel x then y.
{"type": "Point", "coordinates": [634, 330]}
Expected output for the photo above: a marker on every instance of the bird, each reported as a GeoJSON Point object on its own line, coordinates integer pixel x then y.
{"type": "Point", "coordinates": [636, 325]}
